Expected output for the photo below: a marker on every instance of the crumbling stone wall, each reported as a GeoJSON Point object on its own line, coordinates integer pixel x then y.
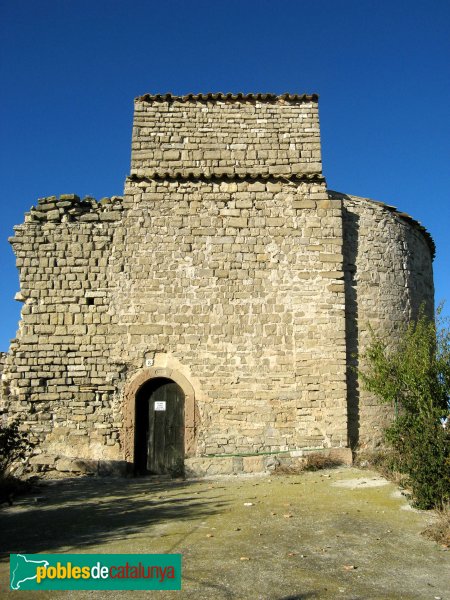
{"type": "Point", "coordinates": [227, 267]}
{"type": "Point", "coordinates": [2, 403]}
{"type": "Point", "coordinates": [58, 376]}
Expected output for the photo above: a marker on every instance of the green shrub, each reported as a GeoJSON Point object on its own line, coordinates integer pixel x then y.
{"type": "Point", "coordinates": [14, 446]}
{"type": "Point", "coordinates": [415, 379]}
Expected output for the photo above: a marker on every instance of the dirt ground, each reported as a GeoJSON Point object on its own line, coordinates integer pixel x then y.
{"type": "Point", "coordinates": [333, 534]}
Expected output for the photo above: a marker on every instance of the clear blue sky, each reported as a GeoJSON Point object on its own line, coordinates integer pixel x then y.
{"type": "Point", "coordinates": [71, 68]}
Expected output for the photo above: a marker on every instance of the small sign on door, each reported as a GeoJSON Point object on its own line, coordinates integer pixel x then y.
{"type": "Point", "coordinates": [160, 405]}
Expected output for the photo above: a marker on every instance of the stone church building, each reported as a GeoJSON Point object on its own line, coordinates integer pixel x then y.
{"type": "Point", "coordinates": [210, 318]}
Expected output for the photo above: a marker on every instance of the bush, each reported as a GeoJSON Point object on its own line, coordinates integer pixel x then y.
{"type": "Point", "coordinates": [415, 380]}
{"type": "Point", "coordinates": [317, 461]}
{"type": "Point", "coordinates": [14, 446]}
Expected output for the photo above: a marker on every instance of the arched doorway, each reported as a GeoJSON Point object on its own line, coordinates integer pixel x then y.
{"type": "Point", "coordinates": [159, 428]}
{"type": "Point", "coordinates": [140, 381]}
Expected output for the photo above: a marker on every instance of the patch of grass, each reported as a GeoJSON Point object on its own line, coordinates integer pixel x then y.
{"type": "Point", "coordinates": [439, 531]}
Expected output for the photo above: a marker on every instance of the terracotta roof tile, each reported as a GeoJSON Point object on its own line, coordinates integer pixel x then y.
{"type": "Point", "coordinates": [186, 174]}
{"type": "Point", "coordinates": [402, 215]}
{"type": "Point", "coordinates": [239, 97]}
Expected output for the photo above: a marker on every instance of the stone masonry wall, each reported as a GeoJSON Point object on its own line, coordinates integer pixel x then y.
{"type": "Point", "coordinates": [58, 375]}
{"type": "Point", "coordinates": [2, 401]}
{"type": "Point", "coordinates": [241, 283]}
{"type": "Point", "coordinates": [226, 266]}
{"type": "Point", "coordinates": [219, 135]}
{"type": "Point", "coordinates": [234, 268]}
{"type": "Point", "coordinates": [388, 274]}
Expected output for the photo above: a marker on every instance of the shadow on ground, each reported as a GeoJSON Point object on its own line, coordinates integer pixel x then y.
{"type": "Point", "coordinates": [84, 512]}
{"type": "Point", "coordinates": [300, 596]}
{"type": "Point", "coordinates": [341, 533]}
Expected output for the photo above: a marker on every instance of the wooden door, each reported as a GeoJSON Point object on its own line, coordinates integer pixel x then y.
{"type": "Point", "coordinates": [165, 442]}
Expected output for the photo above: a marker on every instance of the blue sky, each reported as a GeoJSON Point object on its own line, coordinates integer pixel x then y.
{"type": "Point", "coordinates": [69, 70]}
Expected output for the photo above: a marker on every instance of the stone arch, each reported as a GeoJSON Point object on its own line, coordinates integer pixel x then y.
{"type": "Point", "coordinates": [190, 412]}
